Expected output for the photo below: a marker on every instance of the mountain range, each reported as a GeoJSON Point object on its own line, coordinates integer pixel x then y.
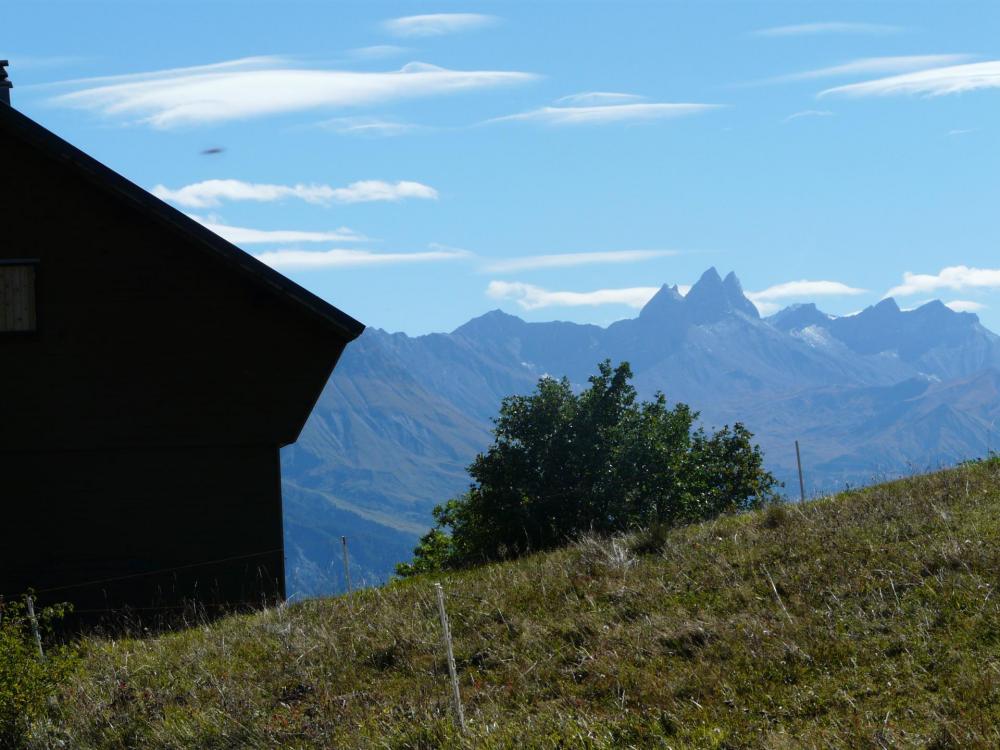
{"type": "Point", "coordinates": [873, 395]}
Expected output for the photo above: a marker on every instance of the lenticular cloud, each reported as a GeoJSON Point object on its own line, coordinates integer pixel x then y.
{"type": "Point", "coordinates": [258, 87]}
{"type": "Point", "coordinates": [953, 79]}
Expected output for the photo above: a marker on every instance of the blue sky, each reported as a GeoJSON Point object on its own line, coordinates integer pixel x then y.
{"type": "Point", "coordinates": [418, 164]}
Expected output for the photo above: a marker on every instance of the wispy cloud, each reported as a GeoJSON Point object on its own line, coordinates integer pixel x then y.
{"type": "Point", "coordinates": [247, 236]}
{"type": "Point", "coordinates": [532, 297]}
{"type": "Point", "coordinates": [830, 27]}
{"type": "Point", "coordinates": [874, 66]}
{"type": "Point", "coordinates": [952, 79]}
{"type": "Point", "coordinates": [368, 126]}
{"type": "Point", "coordinates": [961, 131]}
{"type": "Point", "coordinates": [366, 191]}
{"type": "Point", "coordinates": [604, 114]}
{"type": "Point", "coordinates": [809, 113]}
{"type": "Point", "coordinates": [437, 24]}
{"type": "Point", "coordinates": [256, 62]}
{"type": "Point", "coordinates": [261, 86]}
{"type": "Point", "coordinates": [213, 192]}
{"type": "Point", "coordinates": [805, 288]}
{"type": "Point", "coordinates": [598, 97]}
{"type": "Point", "coordinates": [965, 305]}
{"type": "Point", "coordinates": [567, 260]}
{"type": "Point", "coordinates": [955, 278]}
{"type": "Point", "coordinates": [353, 258]}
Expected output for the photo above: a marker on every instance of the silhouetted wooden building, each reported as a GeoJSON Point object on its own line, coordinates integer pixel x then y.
{"type": "Point", "coordinates": [149, 373]}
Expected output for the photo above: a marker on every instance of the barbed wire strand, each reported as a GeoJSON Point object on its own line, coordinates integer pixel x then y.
{"type": "Point", "coordinates": [131, 576]}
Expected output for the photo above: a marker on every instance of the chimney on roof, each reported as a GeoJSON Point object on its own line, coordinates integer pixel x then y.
{"type": "Point", "coordinates": [5, 85]}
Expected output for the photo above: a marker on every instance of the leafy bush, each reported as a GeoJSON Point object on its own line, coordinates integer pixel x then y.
{"type": "Point", "coordinates": [27, 680]}
{"type": "Point", "coordinates": [599, 461]}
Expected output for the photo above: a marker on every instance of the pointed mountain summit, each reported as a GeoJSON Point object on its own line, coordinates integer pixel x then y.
{"type": "Point", "coordinates": [711, 299]}
{"type": "Point", "coordinates": [493, 323]}
{"type": "Point", "coordinates": [666, 303]}
{"type": "Point", "coordinates": [887, 307]}
{"type": "Point", "coordinates": [736, 297]}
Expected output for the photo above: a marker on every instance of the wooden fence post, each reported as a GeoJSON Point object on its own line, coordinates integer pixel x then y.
{"type": "Point", "coordinates": [456, 697]}
{"type": "Point", "coordinates": [347, 570]}
{"type": "Point", "coordinates": [34, 626]}
{"type": "Point", "coordinates": [802, 485]}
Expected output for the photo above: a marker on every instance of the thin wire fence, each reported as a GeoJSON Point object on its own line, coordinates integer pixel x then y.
{"type": "Point", "coordinates": [157, 571]}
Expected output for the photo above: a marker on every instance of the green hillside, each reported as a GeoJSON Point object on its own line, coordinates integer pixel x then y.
{"type": "Point", "coordinates": [868, 619]}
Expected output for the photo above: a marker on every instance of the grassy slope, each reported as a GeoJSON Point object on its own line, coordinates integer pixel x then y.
{"type": "Point", "coordinates": [881, 630]}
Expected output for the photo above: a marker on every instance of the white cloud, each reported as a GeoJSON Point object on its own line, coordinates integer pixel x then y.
{"type": "Point", "coordinates": [366, 191]}
{"type": "Point", "coordinates": [599, 115]}
{"type": "Point", "coordinates": [809, 113]}
{"type": "Point", "coordinates": [965, 305]}
{"type": "Point", "coordinates": [247, 236]}
{"type": "Point", "coordinates": [875, 65]}
{"type": "Point", "coordinates": [371, 126]}
{"type": "Point", "coordinates": [532, 297]}
{"type": "Point", "coordinates": [953, 79]}
{"type": "Point", "coordinates": [213, 192]}
{"type": "Point", "coordinates": [955, 278]}
{"type": "Point", "coordinates": [804, 288]}
{"type": "Point", "coordinates": [961, 131]}
{"type": "Point", "coordinates": [352, 258]}
{"type": "Point", "coordinates": [599, 97]}
{"type": "Point", "coordinates": [829, 27]}
{"type": "Point", "coordinates": [259, 62]}
{"type": "Point", "coordinates": [437, 24]}
{"type": "Point", "coordinates": [257, 87]}
{"type": "Point", "coordinates": [566, 260]}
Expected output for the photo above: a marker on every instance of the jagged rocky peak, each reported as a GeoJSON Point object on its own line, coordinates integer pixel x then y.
{"type": "Point", "coordinates": [732, 284]}
{"type": "Point", "coordinates": [708, 292]}
{"type": "Point", "coordinates": [712, 298]}
{"type": "Point", "coordinates": [710, 280]}
{"type": "Point", "coordinates": [664, 303]}
{"type": "Point", "coordinates": [887, 306]}
{"type": "Point", "coordinates": [736, 297]}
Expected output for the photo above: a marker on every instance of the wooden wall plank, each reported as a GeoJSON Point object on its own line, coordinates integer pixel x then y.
{"type": "Point", "coordinates": [17, 298]}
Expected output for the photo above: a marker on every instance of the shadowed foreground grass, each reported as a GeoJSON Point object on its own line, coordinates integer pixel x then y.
{"type": "Point", "coordinates": [869, 619]}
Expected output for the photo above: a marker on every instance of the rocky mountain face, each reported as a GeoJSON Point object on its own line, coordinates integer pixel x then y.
{"type": "Point", "coordinates": [869, 396]}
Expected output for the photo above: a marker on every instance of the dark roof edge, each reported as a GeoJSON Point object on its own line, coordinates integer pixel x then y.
{"type": "Point", "coordinates": [105, 177]}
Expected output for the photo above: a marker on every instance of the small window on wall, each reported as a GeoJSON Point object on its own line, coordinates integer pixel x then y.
{"type": "Point", "coordinates": [17, 297]}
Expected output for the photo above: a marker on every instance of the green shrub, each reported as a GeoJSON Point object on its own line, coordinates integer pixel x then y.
{"type": "Point", "coordinates": [27, 680]}
{"type": "Point", "coordinates": [600, 461]}
{"type": "Point", "coordinates": [431, 553]}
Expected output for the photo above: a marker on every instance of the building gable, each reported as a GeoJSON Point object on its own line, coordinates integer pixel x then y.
{"type": "Point", "coordinates": [149, 329]}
